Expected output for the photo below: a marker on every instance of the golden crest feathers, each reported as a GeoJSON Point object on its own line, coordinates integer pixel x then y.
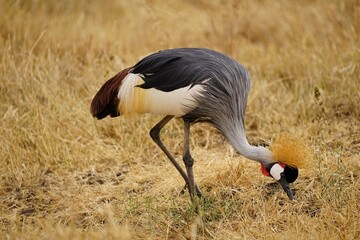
{"type": "Point", "coordinates": [291, 151]}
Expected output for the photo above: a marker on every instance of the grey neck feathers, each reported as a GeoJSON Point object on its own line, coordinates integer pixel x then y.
{"type": "Point", "coordinates": [259, 154]}
{"type": "Point", "coordinates": [238, 139]}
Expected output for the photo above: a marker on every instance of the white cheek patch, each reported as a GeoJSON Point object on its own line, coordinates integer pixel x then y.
{"type": "Point", "coordinates": [275, 171]}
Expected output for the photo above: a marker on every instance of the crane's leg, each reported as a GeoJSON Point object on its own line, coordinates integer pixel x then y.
{"type": "Point", "coordinates": [189, 162]}
{"type": "Point", "coordinates": [155, 135]}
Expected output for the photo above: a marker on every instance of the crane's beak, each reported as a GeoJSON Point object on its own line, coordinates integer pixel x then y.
{"type": "Point", "coordinates": [285, 185]}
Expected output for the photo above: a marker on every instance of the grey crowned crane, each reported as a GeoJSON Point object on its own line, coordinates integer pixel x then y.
{"type": "Point", "coordinates": [198, 85]}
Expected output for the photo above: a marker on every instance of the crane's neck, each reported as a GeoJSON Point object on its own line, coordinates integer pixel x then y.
{"type": "Point", "coordinates": [238, 139]}
{"type": "Point", "coordinates": [256, 153]}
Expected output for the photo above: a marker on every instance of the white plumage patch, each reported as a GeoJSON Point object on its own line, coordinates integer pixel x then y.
{"type": "Point", "coordinates": [139, 100]}
{"type": "Point", "coordinates": [276, 171]}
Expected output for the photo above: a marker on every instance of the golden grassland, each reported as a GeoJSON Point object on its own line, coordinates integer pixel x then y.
{"type": "Point", "coordinates": [65, 175]}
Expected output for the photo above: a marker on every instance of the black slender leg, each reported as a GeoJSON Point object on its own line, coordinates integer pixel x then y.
{"type": "Point", "coordinates": [189, 162]}
{"type": "Point", "coordinates": [198, 192]}
{"type": "Point", "coordinates": [155, 135]}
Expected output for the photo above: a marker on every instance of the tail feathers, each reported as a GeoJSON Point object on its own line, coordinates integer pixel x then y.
{"type": "Point", "coordinates": [106, 101]}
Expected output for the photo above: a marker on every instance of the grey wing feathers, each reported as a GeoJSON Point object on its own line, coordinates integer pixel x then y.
{"type": "Point", "coordinates": [226, 82]}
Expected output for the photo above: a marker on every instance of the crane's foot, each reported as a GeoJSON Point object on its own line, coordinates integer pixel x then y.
{"type": "Point", "coordinates": [197, 189]}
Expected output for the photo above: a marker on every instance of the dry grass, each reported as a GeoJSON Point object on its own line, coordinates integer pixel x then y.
{"type": "Point", "coordinates": [65, 175]}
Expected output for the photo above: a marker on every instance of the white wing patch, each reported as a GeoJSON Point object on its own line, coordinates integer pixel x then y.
{"type": "Point", "coordinates": [139, 100]}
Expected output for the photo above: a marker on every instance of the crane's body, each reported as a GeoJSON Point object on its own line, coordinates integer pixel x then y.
{"type": "Point", "coordinates": [199, 85]}
{"type": "Point", "coordinates": [136, 99]}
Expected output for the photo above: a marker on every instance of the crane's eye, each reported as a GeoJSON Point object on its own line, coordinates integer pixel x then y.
{"type": "Point", "coordinates": [291, 174]}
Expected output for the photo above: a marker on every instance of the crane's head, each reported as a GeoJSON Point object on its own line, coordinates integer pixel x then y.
{"type": "Point", "coordinates": [291, 154]}
{"type": "Point", "coordinates": [283, 174]}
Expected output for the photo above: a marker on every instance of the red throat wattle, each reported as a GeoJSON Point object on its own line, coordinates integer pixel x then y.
{"type": "Point", "coordinates": [264, 171]}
